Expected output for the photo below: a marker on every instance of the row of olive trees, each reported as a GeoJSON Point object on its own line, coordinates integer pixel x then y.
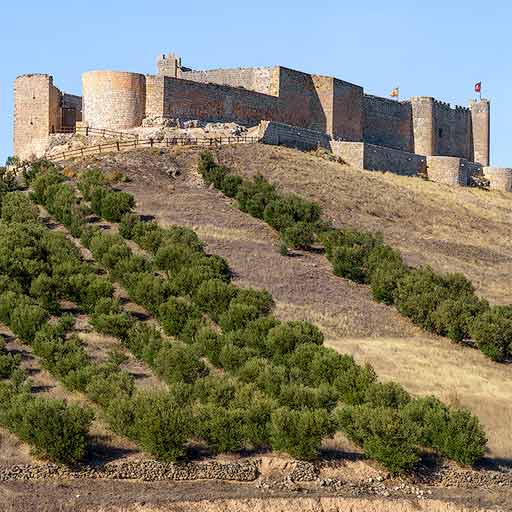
{"type": "Point", "coordinates": [445, 304]}
{"type": "Point", "coordinates": [297, 408]}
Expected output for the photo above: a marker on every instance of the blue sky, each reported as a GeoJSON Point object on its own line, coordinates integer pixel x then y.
{"type": "Point", "coordinates": [435, 48]}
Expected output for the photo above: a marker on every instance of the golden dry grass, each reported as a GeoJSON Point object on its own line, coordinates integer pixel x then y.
{"type": "Point", "coordinates": [452, 229]}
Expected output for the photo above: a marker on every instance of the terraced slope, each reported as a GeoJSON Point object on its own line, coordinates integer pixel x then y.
{"type": "Point", "coordinates": [453, 230]}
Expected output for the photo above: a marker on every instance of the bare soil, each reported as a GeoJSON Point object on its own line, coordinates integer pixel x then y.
{"type": "Point", "coordinates": [450, 229]}
{"type": "Point", "coordinates": [418, 217]}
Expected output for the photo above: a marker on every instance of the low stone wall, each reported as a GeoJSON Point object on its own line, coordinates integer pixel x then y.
{"type": "Point", "coordinates": [280, 134]}
{"type": "Point", "coordinates": [448, 170]}
{"type": "Point", "coordinates": [500, 178]}
{"type": "Point", "coordinates": [379, 158]}
{"type": "Point", "coordinates": [246, 471]}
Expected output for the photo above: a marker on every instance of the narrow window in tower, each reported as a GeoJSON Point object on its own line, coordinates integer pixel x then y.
{"type": "Point", "coordinates": [440, 133]}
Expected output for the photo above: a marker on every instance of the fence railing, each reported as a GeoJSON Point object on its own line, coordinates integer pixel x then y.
{"type": "Point", "coordinates": [122, 145]}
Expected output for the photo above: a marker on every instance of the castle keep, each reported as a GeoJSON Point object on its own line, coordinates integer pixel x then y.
{"type": "Point", "coordinates": [366, 130]}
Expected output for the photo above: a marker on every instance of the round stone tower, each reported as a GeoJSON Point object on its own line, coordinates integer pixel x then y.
{"type": "Point", "coordinates": [113, 99]}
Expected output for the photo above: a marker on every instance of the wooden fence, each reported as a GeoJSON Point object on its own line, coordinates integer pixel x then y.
{"type": "Point", "coordinates": [135, 143]}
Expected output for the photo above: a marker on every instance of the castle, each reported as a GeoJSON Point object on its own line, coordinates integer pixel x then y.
{"type": "Point", "coordinates": [365, 130]}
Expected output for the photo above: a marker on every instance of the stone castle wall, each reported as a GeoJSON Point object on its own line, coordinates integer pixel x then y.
{"type": "Point", "coordinates": [451, 131]}
{"type": "Point", "coordinates": [339, 109]}
{"type": "Point", "coordinates": [388, 123]}
{"type": "Point", "coordinates": [254, 79]}
{"type": "Point", "coordinates": [184, 99]}
{"type": "Point", "coordinates": [500, 178]}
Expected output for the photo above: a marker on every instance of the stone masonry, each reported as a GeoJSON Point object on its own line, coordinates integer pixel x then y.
{"type": "Point", "coordinates": [391, 134]}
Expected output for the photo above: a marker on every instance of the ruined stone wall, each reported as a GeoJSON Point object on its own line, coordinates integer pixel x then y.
{"type": "Point", "coordinates": [291, 136]}
{"type": "Point", "coordinates": [113, 99]}
{"type": "Point", "coordinates": [253, 79]}
{"type": "Point", "coordinates": [184, 99]}
{"type": "Point", "coordinates": [452, 130]}
{"type": "Point", "coordinates": [32, 98]}
{"type": "Point", "coordinates": [388, 123]}
{"type": "Point", "coordinates": [480, 122]}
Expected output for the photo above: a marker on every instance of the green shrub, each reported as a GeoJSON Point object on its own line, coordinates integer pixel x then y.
{"type": "Point", "coordinates": [210, 343]}
{"type": "Point", "coordinates": [284, 338]}
{"type": "Point", "coordinates": [492, 331]}
{"type": "Point", "coordinates": [221, 427]}
{"type": "Point", "coordinates": [232, 358]}
{"type": "Point", "coordinates": [260, 299]}
{"type": "Point", "coordinates": [127, 224]}
{"type": "Point", "coordinates": [163, 424]}
{"type": "Point", "coordinates": [176, 363]}
{"type": "Point", "coordinates": [8, 362]}
{"type": "Point", "coordinates": [285, 211]}
{"type": "Point", "coordinates": [148, 290]}
{"type": "Point", "coordinates": [89, 180]}
{"type": "Point", "coordinates": [300, 433]}
{"type": "Point", "coordinates": [237, 316]}
{"type": "Point", "coordinates": [454, 433]}
{"type": "Point", "coordinates": [214, 296]}
{"type": "Point", "coordinates": [420, 291]}
{"type": "Point", "coordinates": [300, 235]}
{"type": "Point", "coordinates": [107, 383]}
{"type": "Point", "coordinates": [385, 269]}
{"type": "Point", "coordinates": [384, 433]}
{"type": "Point", "coordinates": [353, 382]}
{"type": "Point", "coordinates": [114, 205]}
{"type": "Point", "coordinates": [54, 428]}
{"type": "Point", "coordinates": [109, 319]}
{"type": "Point", "coordinates": [144, 341]}
{"type": "Point", "coordinates": [389, 394]}
{"type": "Point", "coordinates": [253, 196]}
{"type": "Point", "coordinates": [174, 314]}
{"type": "Point", "coordinates": [454, 317]}
{"type": "Point", "coordinates": [17, 207]}
{"type": "Point", "coordinates": [173, 257]}
{"type": "Point", "coordinates": [26, 319]}
{"type": "Point", "coordinates": [231, 185]}
{"type": "Point", "coordinates": [267, 376]}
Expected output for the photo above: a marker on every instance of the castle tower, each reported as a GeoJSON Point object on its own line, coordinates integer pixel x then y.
{"type": "Point", "coordinates": [113, 99]}
{"type": "Point", "coordinates": [480, 121]}
{"type": "Point", "coordinates": [37, 113]}
{"type": "Point", "coordinates": [423, 125]}
{"type": "Point", "coordinates": [169, 65]}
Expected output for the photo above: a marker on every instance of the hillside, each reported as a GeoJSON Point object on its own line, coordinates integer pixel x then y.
{"type": "Point", "coordinates": [450, 229]}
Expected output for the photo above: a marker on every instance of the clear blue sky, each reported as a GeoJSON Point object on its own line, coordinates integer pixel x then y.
{"type": "Point", "coordinates": [432, 48]}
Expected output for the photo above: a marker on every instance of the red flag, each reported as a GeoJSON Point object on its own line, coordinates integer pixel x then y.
{"type": "Point", "coordinates": [478, 87]}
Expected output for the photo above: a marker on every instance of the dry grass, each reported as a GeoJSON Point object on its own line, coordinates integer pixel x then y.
{"type": "Point", "coordinates": [451, 229]}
